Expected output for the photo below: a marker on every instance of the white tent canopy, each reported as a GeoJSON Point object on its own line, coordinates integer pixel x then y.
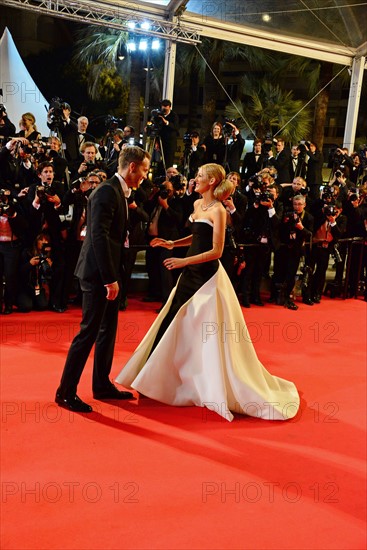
{"type": "Point", "coordinates": [19, 92]}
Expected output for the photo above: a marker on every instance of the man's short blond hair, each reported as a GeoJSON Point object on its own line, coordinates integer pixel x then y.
{"type": "Point", "coordinates": [132, 153]}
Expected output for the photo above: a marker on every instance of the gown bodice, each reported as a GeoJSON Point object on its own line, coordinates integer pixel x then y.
{"type": "Point", "coordinates": [202, 241]}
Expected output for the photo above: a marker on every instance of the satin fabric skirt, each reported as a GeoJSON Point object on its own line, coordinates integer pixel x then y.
{"type": "Point", "coordinates": [206, 358]}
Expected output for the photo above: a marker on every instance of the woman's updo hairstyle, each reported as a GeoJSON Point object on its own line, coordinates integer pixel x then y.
{"type": "Point", "coordinates": [222, 187]}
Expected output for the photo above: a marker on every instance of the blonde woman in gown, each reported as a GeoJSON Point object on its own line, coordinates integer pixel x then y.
{"type": "Point", "coordinates": [198, 351]}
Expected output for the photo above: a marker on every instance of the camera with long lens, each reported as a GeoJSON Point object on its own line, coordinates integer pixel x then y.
{"type": "Point", "coordinates": [39, 149]}
{"type": "Point", "coordinates": [256, 181]}
{"type": "Point", "coordinates": [353, 197]}
{"type": "Point", "coordinates": [291, 218]}
{"type": "Point", "coordinates": [43, 191]}
{"type": "Point", "coordinates": [44, 267]}
{"type": "Point", "coordinates": [263, 196]}
{"type": "Point", "coordinates": [327, 192]}
{"type": "Point", "coordinates": [178, 182]}
{"type": "Point", "coordinates": [329, 210]}
{"type": "Point", "coordinates": [160, 190]}
{"type": "Point", "coordinates": [7, 203]}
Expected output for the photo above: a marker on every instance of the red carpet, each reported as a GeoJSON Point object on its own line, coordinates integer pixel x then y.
{"type": "Point", "coordinates": [144, 475]}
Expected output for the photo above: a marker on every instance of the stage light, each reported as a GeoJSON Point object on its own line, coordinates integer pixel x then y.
{"type": "Point", "coordinates": [131, 46]}
{"type": "Point", "coordinates": [156, 44]}
{"type": "Point", "coordinates": [266, 17]}
{"type": "Point", "coordinates": [145, 26]}
{"type": "Point", "coordinates": [143, 45]}
{"type": "Point", "coordinates": [131, 25]}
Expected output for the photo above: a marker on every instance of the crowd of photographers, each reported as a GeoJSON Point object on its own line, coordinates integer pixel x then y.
{"type": "Point", "coordinates": [280, 213]}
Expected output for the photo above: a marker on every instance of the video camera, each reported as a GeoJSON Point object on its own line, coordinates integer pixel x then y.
{"type": "Point", "coordinates": [155, 124]}
{"type": "Point", "coordinates": [187, 140]}
{"type": "Point", "coordinates": [227, 128]}
{"type": "Point", "coordinates": [57, 114]}
{"type": "Point", "coordinates": [112, 123]}
{"type": "Point", "coordinates": [268, 143]}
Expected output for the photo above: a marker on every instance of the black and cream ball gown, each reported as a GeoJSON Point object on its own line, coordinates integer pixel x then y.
{"type": "Point", "coordinates": [205, 356]}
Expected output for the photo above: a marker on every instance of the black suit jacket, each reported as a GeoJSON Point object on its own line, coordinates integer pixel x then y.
{"type": "Point", "coordinates": [282, 164]}
{"type": "Point", "coordinates": [250, 166]}
{"type": "Point", "coordinates": [168, 134]}
{"type": "Point", "coordinates": [101, 254]}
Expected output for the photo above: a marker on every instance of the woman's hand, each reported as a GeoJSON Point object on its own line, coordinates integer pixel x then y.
{"type": "Point", "coordinates": [174, 263]}
{"type": "Point", "coordinates": [162, 242]}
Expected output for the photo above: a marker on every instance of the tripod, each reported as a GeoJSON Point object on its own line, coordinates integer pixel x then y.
{"type": "Point", "coordinates": [155, 149]}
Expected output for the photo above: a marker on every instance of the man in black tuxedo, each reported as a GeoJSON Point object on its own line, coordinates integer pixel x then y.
{"type": "Point", "coordinates": [66, 130]}
{"type": "Point", "coordinates": [295, 229]}
{"type": "Point", "coordinates": [298, 165]}
{"type": "Point", "coordinates": [168, 132]}
{"type": "Point", "coordinates": [83, 135]}
{"type": "Point", "coordinates": [253, 162]}
{"type": "Point", "coordinates": [99, 270]}
{"type": "Point", "coordinates": [234, 149]}
{"type": "Point", "coordinates": [282, 162]}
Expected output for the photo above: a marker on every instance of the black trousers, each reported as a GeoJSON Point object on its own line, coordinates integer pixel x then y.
{"type": "Point", "coordinates": [286, 262]}
{"type": "Point", "coordinates": [99, 326]}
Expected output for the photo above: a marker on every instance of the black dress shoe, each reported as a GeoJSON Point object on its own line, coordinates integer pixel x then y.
{"type": "Point", "coordinates": [58, 309]}
{"type": "Point", "coordinates": [8, 310]}
{"type": "Point", "coordinates": [113, 393]}
{"type": "Point", "coordinates": [245, 303]}
{"type": "Point", "coordinates": [290, 305]}
{"type": "Point", "coordinates": [307, 301]}
{"type": "Point", "coordinates": [316, 299]}
{"type": "Point", "coordinates": [74, 404]}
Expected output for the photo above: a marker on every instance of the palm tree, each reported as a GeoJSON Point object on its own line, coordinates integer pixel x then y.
{"type": "Point", "coordinates": [318, 76]}
{"type": "Point", "coordinates": [201, 62]}
{"type": "Point", "coordinates": [267, 109]}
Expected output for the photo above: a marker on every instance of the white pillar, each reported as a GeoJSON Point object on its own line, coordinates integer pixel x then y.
{"type": "Point", "coordinates": [169, 70]}
{"type": "Point", "coordinates": [353, 102]}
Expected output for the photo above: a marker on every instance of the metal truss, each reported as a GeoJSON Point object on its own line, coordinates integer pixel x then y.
{"type": "Point", "coordinates": [108, 15]}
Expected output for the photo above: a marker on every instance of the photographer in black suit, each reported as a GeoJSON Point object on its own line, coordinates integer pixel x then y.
{"type": "Point", "coordinates": [99, 270]}
{"type": "Point", "coordinates": [168, 132]}
{"type": "Point", "coordinates": [254, 162]}
{"type": "Point", "coordinates": [295, 228]}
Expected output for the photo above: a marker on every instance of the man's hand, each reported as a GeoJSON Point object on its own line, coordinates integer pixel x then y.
{"type": "Point", "coordinates": [163, 202]}
{"type": "Point", "coordinates": [54, 199]}
{"type": "Point", "coordinates": [112, 291]}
